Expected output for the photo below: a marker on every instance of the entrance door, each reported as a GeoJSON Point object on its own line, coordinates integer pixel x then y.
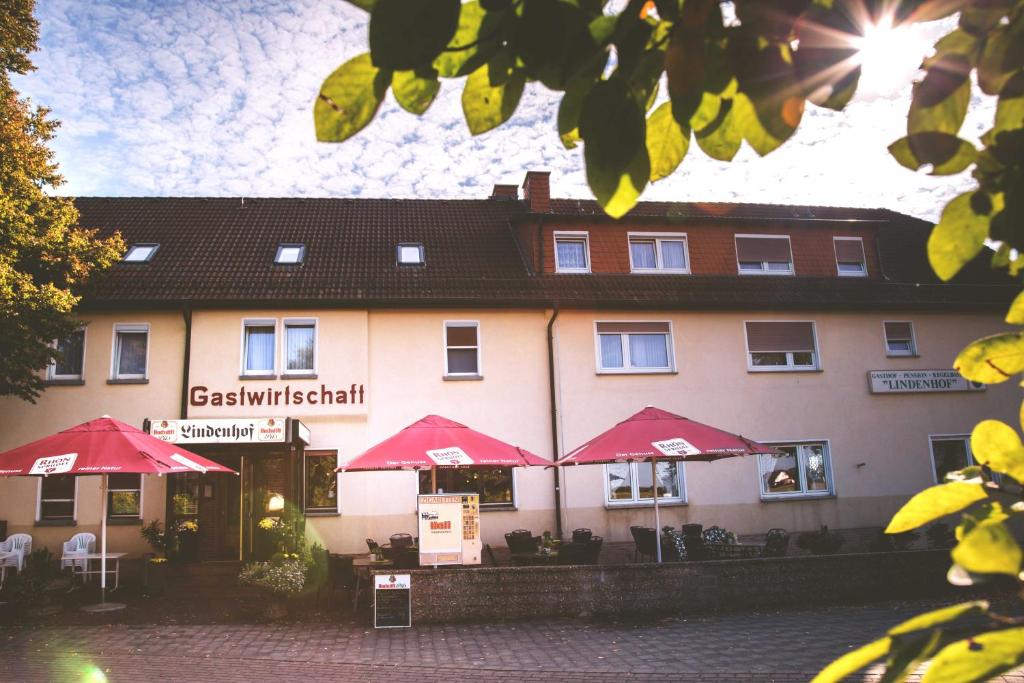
{"type": "Point", "coordinates": [269, 484]}
{"type": "Point", "coordinates": [211, 505]}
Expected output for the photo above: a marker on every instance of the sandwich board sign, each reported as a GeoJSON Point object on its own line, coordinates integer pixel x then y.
{"type": "Point", "coordinates": [392, 600]}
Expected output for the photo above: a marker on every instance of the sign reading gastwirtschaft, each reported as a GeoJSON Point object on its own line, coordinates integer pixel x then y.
{"type": "Point", "coordinates": [919, 381]}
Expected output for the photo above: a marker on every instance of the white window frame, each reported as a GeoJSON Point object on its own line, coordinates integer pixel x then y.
{"type": "Point", "coordinates": [337, 483]}
{"type": "Point", "coordinates": [636, 500]}
{"type": "Point", "coordinates": [626, 368]}
{"type": "Point", "coordinates": [789, 367]}
{"type": "Point", "coordinates": [479, 347]}
{"type": "Point", "coordinates": [142, 498]}
{"type": "Point", "coordinates": [863, 272]}
{"type": "Point", "coordinates": [573, 236]}
{"type": "Point", "coordinates": [39, 503]}
{"type": "Point", "coordinates": [290, 245]}
{"type": "Point", "coordinates": [966, 438]}
{"type": "Point", "coordinates": [764, 270]}
{"type": "Point", "coordinates": [153, 246]}
{"type": "Point", "coordinates": [658, 238]}
{"type": "Point", "coordinates": [51, 369]}
{"type": "Point", "coordinates": [830, 492]}
{"type": "Point", "coordinates": [257, 322]}
{"type": "Point", "coordinates": [298, 322]}
{"type": "Point", "coordinates": [912, 353]}
{"type": "Point", "coordinates": [115, 361]}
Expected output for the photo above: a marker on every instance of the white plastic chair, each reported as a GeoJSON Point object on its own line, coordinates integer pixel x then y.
{"type": "Point", "coordinates": [80, 544]}
{"type": "Point", "coordinates": [21, 546]}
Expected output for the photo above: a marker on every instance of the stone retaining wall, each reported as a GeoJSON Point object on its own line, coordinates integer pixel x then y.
{"type": "Point", "coordinates": [497, 593]}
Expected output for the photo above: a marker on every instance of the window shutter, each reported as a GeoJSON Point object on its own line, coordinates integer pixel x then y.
{"type": "Point", "coordinates": [849, 251]}
{"type": "Point", "coordinates": [632, 328]}
{"type": "Point", "coordinates": [778, 336]}
{"type": "Point", "coordinates": [763, 249]}
{"type": "Point", "coordinates": [897, 331]}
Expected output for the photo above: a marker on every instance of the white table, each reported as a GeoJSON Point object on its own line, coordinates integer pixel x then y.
{"type": "Point", "coordinates": [111, 557]}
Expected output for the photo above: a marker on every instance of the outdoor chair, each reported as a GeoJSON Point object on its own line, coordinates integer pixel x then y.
{"type": "Point", "coordinates": [21, 546]}
{"type": "Point", "coordinates": [573, 553]}
{"type": "Point", "coordinates": [340, 574]}
{"type": "Point", "coordinates": [80, 544]}
{"type": "Point", "coordinates": [401, 540]}
{"type": "Point", "coordinates": [593, 544]}
{"type": "Point", "coordinates": [636, 544]}
{"type": "Point", "coordinates": [406, 558]}
{"type": "Point", "coordinates": [581, 535]}
{"type": "Point", "coordinates": [372, 545]}
{"type": "Point", "coordinates": [646, 543]}
{"type": "Point", "coordinates": [776, 543]}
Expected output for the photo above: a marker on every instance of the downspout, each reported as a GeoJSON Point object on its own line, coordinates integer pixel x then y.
{"type": "Point", "coordinates": [186, 314]}
{"type": "Point", "coordinates": [554, 420]}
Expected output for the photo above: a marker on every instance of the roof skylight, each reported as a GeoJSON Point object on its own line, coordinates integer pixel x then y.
{"type": "Point", "coordinates": [290, 253]}
{"type": "Point", "coordinates": [410, 254]}
{"type": "Point", "coordinates": [140, 253]}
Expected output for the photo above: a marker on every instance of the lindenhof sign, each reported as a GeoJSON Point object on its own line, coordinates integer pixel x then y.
{"type": "Point", "coordinates": [919, 381]}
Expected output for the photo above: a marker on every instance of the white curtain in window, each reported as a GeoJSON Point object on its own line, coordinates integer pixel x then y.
{"type": "Point", "coordinates": [668, 482]}
{"type": "Point", "coordinates": [643, 254]}
{"type": "Point", "coordinates": [620, 481]}
{"type": "Point", "coordinates": [674, 255]}
{"type": "Point", "coordinates": [648, 351]}
{"type": "Point", "coordinates": [259, 348]}
{"type": "Point", "coordinates": [611, 351]}
{"type": "Point", "coordinates": [572, 254]}
{"type": "Point", "coordinates": [300, 340]}
{"type": "Point", "coordinates": [131, 353]}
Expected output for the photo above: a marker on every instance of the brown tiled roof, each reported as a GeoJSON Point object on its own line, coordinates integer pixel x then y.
{"type": "Point", "coordinates": [220, 252]}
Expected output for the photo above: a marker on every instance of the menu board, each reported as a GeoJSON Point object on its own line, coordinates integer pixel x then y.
{"type": "Point", "coordinates": [392, 600]}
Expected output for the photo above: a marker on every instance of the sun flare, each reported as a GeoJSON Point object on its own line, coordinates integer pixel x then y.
{"type": "Point", "coordinates": [889, 56]}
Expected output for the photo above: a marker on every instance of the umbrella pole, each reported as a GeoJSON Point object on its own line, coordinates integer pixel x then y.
{"type": "Point", "coordinates": [103, 539]}
{"type": "Point", "coordinates": [657, 512]}
{"type": "Point", "coordinates": [433, 480]}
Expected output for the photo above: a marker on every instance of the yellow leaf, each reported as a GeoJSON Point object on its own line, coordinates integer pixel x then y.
{"type": "Point", "coordinates": [997, 445]}
{"type": "Point", "coordinates": [934, 502]}
{"type": "Point", "coordinates": [992, 360]}
{"type": "Point", "coordinates": [852, 662]}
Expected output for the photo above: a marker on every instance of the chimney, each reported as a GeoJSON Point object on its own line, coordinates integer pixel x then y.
{"type": "Point", "coordinates": [537, 191]}
{"type": "Point", "coordinates": [507, 193]}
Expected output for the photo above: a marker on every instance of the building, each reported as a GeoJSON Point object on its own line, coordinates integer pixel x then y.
{"type": "Point", "coordinates": [318, 327]}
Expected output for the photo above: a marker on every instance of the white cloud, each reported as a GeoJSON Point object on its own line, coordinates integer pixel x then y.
{"type": "Point", "coordinates": [206, 98]}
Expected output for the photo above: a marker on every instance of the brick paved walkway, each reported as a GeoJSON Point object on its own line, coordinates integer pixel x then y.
{"type": "Point", "coordinates": [785, 647]}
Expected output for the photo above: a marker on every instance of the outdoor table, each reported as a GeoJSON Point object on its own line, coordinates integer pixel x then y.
{"type": "Point", "coordinates": [115, 557]}
{"type": "Point", "coordinates": [362, 566]}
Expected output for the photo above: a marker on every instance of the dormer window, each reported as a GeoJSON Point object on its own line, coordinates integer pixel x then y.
{"type": "Point", "coordinates": [140, 253]}
{"type": "Point", "coordinates": [850, 256]}
{"type": "Point", "coordinates": [410, 254]}
{"type": "Point", "coordinates": [290, 254]}
{"type": "Point", "coordinates": [572, 252]}
{"type": "Point", "coordinates": [764, 255]}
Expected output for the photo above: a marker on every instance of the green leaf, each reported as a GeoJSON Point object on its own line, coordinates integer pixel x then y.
{"type": "Point", "coordinates": [492, 94]}
{"type": "Point", "coordinates": [706, 112]}
{"type": "Point", "coordinates": [958, 237]}
{"type": "Point", "coordinates": [852, 662]}
{"type": "Point", "coordinates": [992, 360]}
{"type": "Point", "coordinates": [939, 102]}
{"type": "Point", "coordinates": [475, 40]}
{"type": "Point", "coordinates": [934, 502]}
{"type": "Point", "coordinates": [938, 617]}
{"type": "Point", "coordinates": [366, 5]}
{"type": "Point", "coordinates": [978, 658]}
{"type": "Point", "coordinates": [415, 92]}
{"type": "Point", "coordinates": [554, 42]}
{"type": "Point", "coordinates": [947, 153]}
{"type": "Point", "coordinates": [569, 111]}
{"type": "Point", "coordinates": [909, 652]}
{"type": "Point", "coordinates": [407, 34]}
{"type": "Point", "coordinates": [989, 548]}
{"type": "Point", "coordinates": [991, 511]}
{"type": "Point", "coordinates": [722, 138]}
{"type": "Point", "coordinates": [612, 126]}
{"type": "Point", "coordinates": [958, 42]}
{"type": "Point", "coordinates": [754, 122]}
{"type": "Point", "coordinates": [996, 444]}
{"type": "Point", "coordinates": [1001, 58]}
{"type": "Point", "coordinates": [1010, 108]}
{"type": "Point", "coordinates": [349, 99]}
{"type": "Point", "coordinates": [667, 142]}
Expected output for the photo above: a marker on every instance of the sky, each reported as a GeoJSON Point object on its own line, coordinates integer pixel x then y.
{"type": "Point", "coordinates": [215, 99]}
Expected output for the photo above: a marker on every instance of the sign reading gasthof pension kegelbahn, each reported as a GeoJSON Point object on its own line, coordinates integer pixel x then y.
{"type": "Point", "coordinates": [914, 381]}
{"type": "Point", "coordinates": [244, 430]}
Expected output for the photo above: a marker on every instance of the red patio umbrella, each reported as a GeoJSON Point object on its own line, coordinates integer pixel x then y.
{"type": "Point", "coordinates": [436, 442]}
{"type": "Point", "coordinates": [654, 434]}
{"type": "Point", "coordinates": [102, 446]}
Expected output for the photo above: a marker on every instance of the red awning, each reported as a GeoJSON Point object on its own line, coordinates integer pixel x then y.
{"type": "Point", "coordinates": [437, 442]}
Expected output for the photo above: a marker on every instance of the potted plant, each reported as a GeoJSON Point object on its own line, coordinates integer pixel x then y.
{"type": "Point", "coordinates": [282, 579]}
{"type": "Point", "coordinates": [188, 539]}
{"type": "Point", "coordinates": [154, 565]}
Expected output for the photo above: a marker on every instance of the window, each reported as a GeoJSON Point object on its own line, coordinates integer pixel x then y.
{"type": "Point", "coordinates": [57, 497]}
{"type": "Point", "coordinates": [949, 454]}
{"type": "Point", "coordinates": [321, 481]}
{"type": "Point", "coordinates": [299, 347]}
{"type": "Point", "coordinates": [634, 347]}
{"type": "Point", "coordinates": [131, 351]}
{"type": "Point", "coordinates": [495, 485]}
{"type": "Point", "coordinates": [462, 349]}
{"type": "Point", "coordinates": [124, 496]}
{"type": "Point", "coordinates": [410, 254]}
{"type": "Point", "coordinates": [764, 255]}
{"type": "Point", "coordinates": [288, 254]}
{"type": "Point", "coordinates": [650, 253]}
{"type": "Point", "coordinates": [258, 346]}
{"type": "Point", "coordinates": [850, 256]}
{"type": "Point", "coordinates": [899, 339]}
{"type": "Point", "coordinates": [781, 346]}
{"type": "Point", "coordinates": [70, 358]}
{"type": "Point", "coordinates": [800, 469]}
{"type": "Point", "coordinates": [572, 253]}
{"type": "Point", "coordinates": [630, 483]}
{"type": "Point", "coordinates": [140, 253]}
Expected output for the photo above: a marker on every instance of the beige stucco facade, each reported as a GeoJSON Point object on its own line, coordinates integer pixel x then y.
{"type": "Point", "coordinates": [390, 367]}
